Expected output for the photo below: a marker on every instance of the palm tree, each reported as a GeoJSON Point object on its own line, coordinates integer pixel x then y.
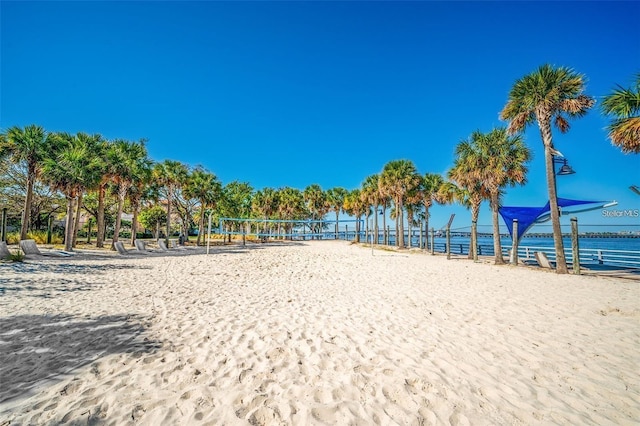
{"type": "Point", "coordinates": [373, 197]}
{"type": "Point", "coordinates": [624, 105]}
{"type": "Point", "coordinates": [467, 172]}
{"type": "Point", "coordinates": [139, 190]}
{"type": "Point", "coordinates": [335, 200]}
{"type": "Point", "coordinates": [398, 178]}
{"type": "Point", "coordinates": [206, 188]}
{"type": "Point", "coordinates": [30, 145]}
{"type": "Point", "coordinates": [486, 164]}
{"type": "Point", "coordinates": [431, 186]}
{"type": "Point", "coordinates": [71, 171]}
{"type": "Point", "coordinates": [548, 94]}
{"type": "Point", "coordinates": [291, 206]}
{"type": "Point", "coordinates": [169, 175]}
{"type": "Point", "coordinates": [93, 144]}
{"type": "Point", "coordinates": [265, 204]}
{"type": "Point", "coordinates": [317, 205]}
{"type": "Point", "coordinates": [127, 161]}
{"type": "Point", "coordinates": [504, 161]}
{"type": "Point", "coordinates": [354, 206]}
{"type": "Point", "coordinates": [236, 201]}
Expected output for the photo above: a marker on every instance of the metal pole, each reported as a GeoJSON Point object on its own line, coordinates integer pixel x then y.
{"type": "Point", "coordinates": [575, 246]}
{"type": "Point", "coordinates": [209, 234]}
{"type": "Point", "coordinates": [514, 247]}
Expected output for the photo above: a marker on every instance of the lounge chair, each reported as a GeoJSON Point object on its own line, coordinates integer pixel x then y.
{"type": "Point", "coordinates": [4, 250]}
{"type": "Point", "coordinates": [141, 247]}
{"type": "Point", "coordinates": [163, 246]}
{"type": "Point", "coordinates": [543, 260]}
{"type": "Point", "coordinates": [29, 247]}
{"type": "Point", "coordinates": [120, 247]}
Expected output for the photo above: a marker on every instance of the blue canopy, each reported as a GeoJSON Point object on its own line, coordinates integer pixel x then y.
{"type": "Point", "coordinates": [528, 216]}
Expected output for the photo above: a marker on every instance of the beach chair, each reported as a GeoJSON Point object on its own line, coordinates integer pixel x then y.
{"type": "Point", "coordinates": [4, 250]}
{"type": "Point", "coordinates": [30, 248]}
{"type": "Point", "coordinates": [120, 247]}
{"type": "Point", "coordinates": [543, 260]}
{"type": "Point", "coordinates": [141, 247]}
{"type": "Point", "coordinates": [162, 245]}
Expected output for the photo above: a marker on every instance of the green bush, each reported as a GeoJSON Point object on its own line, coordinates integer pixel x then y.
{"type": "Point", "coordinates": [40, 237]}
{"type": "Point", "coordinates": [16, 256]}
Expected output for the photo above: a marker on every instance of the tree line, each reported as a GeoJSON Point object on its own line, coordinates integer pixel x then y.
{"type": "Point", "coordinates": [103, 178]}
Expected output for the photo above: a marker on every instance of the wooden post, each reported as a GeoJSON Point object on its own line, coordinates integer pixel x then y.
{"type": "Point", "coordinates": [575, 247]}
{"type": "Point", "coordinates": [346, 232]}
{"type": "Point", "coordinates": [433, 240]}
{"type": "Point", "coordinates": [514, 246]}
{"type": "Point", "coordinates": [449, 236]}
{"type": "Point", "coordinates": [421, 241]}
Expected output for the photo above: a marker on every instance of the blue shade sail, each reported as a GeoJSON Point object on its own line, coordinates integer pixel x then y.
{"type": "Point", "coordinates": [528, 216]}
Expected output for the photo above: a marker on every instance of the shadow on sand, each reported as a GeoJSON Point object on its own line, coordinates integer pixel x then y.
{"type": "Point", "coordinates": [34, 348]}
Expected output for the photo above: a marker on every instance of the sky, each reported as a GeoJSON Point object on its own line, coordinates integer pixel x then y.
{"type": "Point", "coordinates": [293, 93]}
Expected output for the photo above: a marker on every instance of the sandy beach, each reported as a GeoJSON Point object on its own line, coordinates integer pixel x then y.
{"type": "Point", "coordinates": [313, 333]}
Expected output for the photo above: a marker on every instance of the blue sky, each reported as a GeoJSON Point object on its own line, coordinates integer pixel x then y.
{"type": "Point", "coordinates": [296, 93]}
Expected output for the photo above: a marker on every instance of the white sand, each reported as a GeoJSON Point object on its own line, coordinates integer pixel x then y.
{"type": "Point", "coordinates": [314, 333]}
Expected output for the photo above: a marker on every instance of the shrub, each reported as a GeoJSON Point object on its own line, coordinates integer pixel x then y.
{"type": "Point", "coordinates": [40, 237]}
{"type": "Point", "coordinates": [16, 256]}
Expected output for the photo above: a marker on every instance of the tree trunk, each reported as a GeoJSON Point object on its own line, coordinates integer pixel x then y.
{"type": "Point", "coordinates": [76, 222]}
{"type": "Point", "coordinates": [375, 223]}
{"type": "Point", "coordinates": [473, 244]}
{"type": "Point", "coordinates": [201, 225]}
{"type": "Point", "coordinates": [545, 131]}
{"type": "Point", "coordinates": [26, 214]}
{"type": "Point", "coordinates": [116, 232]}
{"type": "Point", "coordinates": [68, 230]}
{"type": "Point", "coordinates": [169, 197]}
{"type": "Point", "coordinates": [100, 218]}
{"type": "Point", "coordinates": [497, 245]}
{"type": "Point", "coordinates": [134, 224]}
{"type": "Point", "coordinates": [400, 220]}
{"type": "Point", "coordinates": [384, 223]}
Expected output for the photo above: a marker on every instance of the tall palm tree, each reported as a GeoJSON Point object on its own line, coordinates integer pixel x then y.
{"type": "Point", "coordinates": [398, 178]}
{"type": "Point", "coordinates": [504, 161]}
{"type": "Point", "coordinates": [206, 188]}
{"type": "Point", "coordinates": [486, 164]}
{"type": "Point", "coordinates": [127, 160]}
{"type": "Point", "coordinates": [139, 190]}
{"type": "Point", "coordinates": [316, 202]}
{"type": "Point", "coordinates": [548, 95]}
{"type": "Point", "coordinates": [169, 175]}
{"type": "Point", "coordinates": [467, 172]}
{"type": "Point", "coordinates": [373, 197]}
{"type": "Point", "coordinates": [265, 205]}
{"type": "Point", "coordinates": [71, 171]}
{"type": "Point", "coordinates": [93, 144]}
{"type": "Point", "coordinates": [291, 206]}
{"type": "Point", "coordinates": [355, 206]}
{"type": "Point", "coordinates": [431, 186]}
{"type": "Point", "coordinates": [30, 145]}
{"type": "Point", "coordinates": [335, 200]}
{"type": "Point", "coordinates": [236, 201]}
{"type": "Point", "coordinates": [624, 107]}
